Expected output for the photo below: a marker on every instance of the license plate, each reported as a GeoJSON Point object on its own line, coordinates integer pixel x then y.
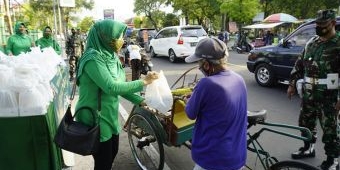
{"type": "Point", "coordinates": [192, 44]}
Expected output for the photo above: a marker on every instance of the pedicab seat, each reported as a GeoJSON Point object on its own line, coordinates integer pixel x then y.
{"type": "Point", "coordinates": [180, 126]}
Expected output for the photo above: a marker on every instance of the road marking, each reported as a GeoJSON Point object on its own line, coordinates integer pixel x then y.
{"type": "Point", "coordinates": [125, 116]}
{"type": "Point", "coordinates": [242, 66]}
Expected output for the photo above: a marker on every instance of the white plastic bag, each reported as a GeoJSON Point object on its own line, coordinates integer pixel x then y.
{"type": "Point", "coordinates": [158, 94]}
{"type": "Point", "coordinates": [299, 85]}
{"type": "Point", "coordinates": [8, 104]}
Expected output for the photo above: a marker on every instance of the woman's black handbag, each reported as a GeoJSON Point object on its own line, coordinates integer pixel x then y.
{"type": "Point", "coordinates": [77, 137]}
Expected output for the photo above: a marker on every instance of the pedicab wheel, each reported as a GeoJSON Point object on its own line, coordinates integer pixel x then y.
{"type": "Point", "coordinates": [145, 143]}
{"type": "Point", "coordinates": [292, 165]}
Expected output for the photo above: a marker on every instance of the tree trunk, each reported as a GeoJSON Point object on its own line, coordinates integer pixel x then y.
{"type": "Point", "coordinates": [8, 17]}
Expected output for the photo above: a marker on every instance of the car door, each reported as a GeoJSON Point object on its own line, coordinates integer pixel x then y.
{"type": "Point", "coordinates": [156, 42]}
{"type": "Point", "coordinates": [166, 41]}
{"type": "Point", "coordinates": [288, 52]}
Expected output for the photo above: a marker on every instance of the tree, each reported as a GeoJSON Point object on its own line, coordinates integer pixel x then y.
{"type": "Point", "coordinates": [201, 12]}
{"type": "Point", "coordinates": [240, 11]}
{"type": "Point", "coordinates": [302, 9]}
{"type": "Point", "coordinates": [46, 7]}
{"type": "Point", "coordinates": [37, 20]}
{"type": "Point", "coordinates": [170, 20]}
{"type": "Point", "coordinates": [86, 24]}
{"type": "Point", "coordinates": [150, 8]}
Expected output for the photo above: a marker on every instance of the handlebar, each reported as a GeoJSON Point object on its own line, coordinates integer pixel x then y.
{"type": "Point", "coordinates": [303, 130]}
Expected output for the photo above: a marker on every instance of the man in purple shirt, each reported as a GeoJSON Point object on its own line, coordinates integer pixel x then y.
{"type": "Point", "coordinates": [219, 105]}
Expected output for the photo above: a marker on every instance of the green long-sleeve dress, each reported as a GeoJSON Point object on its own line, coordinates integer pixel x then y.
{"type": "Point", "coordinates": [19, 42]}
{"type": "Point", "coordinates": [100, 68]}
{"type": "Point", "coordinates": [48, 41]}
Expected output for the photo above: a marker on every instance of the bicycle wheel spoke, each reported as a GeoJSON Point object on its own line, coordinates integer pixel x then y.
{"type": "Point", "coordinates": [145, 145]}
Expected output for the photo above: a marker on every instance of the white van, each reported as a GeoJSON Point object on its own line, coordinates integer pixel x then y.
{"type": "Point", "coordinates": [177, 41]}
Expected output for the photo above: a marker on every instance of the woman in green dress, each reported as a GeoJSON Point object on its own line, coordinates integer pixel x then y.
{"type": "Point", "coordinates": [48, 41]}
{"type": "Point", "coordinates": [20, 42]}
{"type": "Point", "coordinates": [101, 70]}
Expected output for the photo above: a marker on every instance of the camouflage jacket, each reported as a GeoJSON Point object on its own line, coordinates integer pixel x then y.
{"type": "Point", "coordinates": [74, 45]}
{"type": "Point", "coordinates": [318, 59]}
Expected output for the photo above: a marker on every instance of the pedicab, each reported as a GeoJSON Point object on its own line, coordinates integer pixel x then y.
{"type": "Point", "coordinates": [149, 130]}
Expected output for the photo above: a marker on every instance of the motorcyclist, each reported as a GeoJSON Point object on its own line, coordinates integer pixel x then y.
{"type": "Point", "coordinates": [135, 60]}
{"type": "Point", "coordinates": [243, 44]}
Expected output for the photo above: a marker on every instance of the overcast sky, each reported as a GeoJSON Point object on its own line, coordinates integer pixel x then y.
{"type": "Point", "coordinates": [122, 10]}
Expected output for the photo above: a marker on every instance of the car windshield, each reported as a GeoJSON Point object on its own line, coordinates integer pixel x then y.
{"type": "Point", "coordinates": [193, 32]}
{"type": "Point", "coordinates": [152, 33]}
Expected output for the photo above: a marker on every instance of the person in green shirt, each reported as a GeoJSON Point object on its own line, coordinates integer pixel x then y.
{"type": "Point", "coordinates": [20, 41]}
{"type": "Point", "coordinates": [100, 70]}
{"type": "Point", "coordinates": [48, 41]}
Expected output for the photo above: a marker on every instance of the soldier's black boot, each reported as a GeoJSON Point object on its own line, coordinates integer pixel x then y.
{"type": "Point", "coordinates": [305, 152]}
{"type": "Point", "coordinates": [330, 164]}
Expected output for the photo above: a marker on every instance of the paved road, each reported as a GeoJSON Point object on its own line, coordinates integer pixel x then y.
{"type": "Point", "coordinates": [274, 100]}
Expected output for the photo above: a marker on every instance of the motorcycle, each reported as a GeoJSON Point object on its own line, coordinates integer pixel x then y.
{"type": "Point", "coordinates": [242, 45]}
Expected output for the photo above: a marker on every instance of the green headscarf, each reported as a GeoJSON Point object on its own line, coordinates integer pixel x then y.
{"type": "Point", "coordinates": [102, 33]}
{"type": "Point", "coordinates": [100, 36]}
{"type": "Point", "coordinates": [17, 28]}
{"type": "Point", "coordinates": [48, 41]}
{"type": "Point", "coordinates": [45, 34]}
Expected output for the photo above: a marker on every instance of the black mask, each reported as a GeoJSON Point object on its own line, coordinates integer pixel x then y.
{"type": "Point", "coordinates": [203, 71]}
{"type": "Point", "coordinates": [206, 73]}
{"type": "Point", "coordinates": [321, 31]}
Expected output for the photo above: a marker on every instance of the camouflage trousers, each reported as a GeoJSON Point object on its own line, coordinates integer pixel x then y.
{"type": "Point", "coordinates": [321, 105]}
{"type": "Point", "coordinates": [73, 61]}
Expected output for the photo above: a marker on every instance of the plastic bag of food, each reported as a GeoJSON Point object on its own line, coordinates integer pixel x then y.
{"type": "Point", "coordinates": [158, 94]}
{"type": "Point", "coordinates": [8, 104]}
{"type": "Point", "coordinates": [6, 74]}
{"type": "Point", "coordinates": [29, 108]}
{"type": "Point", "coordinates": [299, 85]}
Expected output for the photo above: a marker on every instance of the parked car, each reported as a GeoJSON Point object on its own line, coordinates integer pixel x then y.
{"type": "Point", "coordinates": [177, 41]}
{"type": "Point", "coordinates": [272, 64]}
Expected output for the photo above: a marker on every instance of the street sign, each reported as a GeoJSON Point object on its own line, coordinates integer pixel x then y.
{"type": "Point", "coordinates": [109, 14]}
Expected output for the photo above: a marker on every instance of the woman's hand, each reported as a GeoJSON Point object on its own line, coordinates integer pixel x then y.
{"type": "Point", "coordinates": [150, 77]}
{"type": "Point", "coordinates": [290, 91]}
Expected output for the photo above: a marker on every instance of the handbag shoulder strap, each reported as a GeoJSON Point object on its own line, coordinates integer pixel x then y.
{"type": "Point", "coordinates": [73, 92]}
{"type": "Point", "coordinates": [99, 99]}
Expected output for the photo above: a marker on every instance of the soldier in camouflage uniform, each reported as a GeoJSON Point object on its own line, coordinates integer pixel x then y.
{"type": "Point", "coordinates": [319, 69]}
{"type": "Point", "coordinates": [74, 49]}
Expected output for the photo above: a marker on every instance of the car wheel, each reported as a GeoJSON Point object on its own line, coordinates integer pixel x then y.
{"type": "Point", "coordinates": [172, 56]}
{"type": "Point", "coordinates": [264, 75]}
{"type": "Point", "coordinates": [152, 52]}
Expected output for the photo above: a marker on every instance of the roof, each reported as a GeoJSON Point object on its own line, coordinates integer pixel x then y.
{"type": "Point", "coordinates": [263, 25]}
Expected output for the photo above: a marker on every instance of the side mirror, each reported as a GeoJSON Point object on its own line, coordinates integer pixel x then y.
{"type": "Point", "coordinates": [281, 42]}
{"type": "Point", "coordinates": [287, 44]}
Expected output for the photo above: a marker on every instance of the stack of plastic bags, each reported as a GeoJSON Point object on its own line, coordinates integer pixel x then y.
{"type": "Point", "coordinates": [25, 82]}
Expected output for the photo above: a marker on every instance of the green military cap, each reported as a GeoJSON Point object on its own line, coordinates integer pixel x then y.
{"type": "Point", "coordinates": [325, 16]}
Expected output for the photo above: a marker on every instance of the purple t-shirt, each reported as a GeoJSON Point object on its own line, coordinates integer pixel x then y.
{"type": "Point", "coordinates": [219, 105]}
